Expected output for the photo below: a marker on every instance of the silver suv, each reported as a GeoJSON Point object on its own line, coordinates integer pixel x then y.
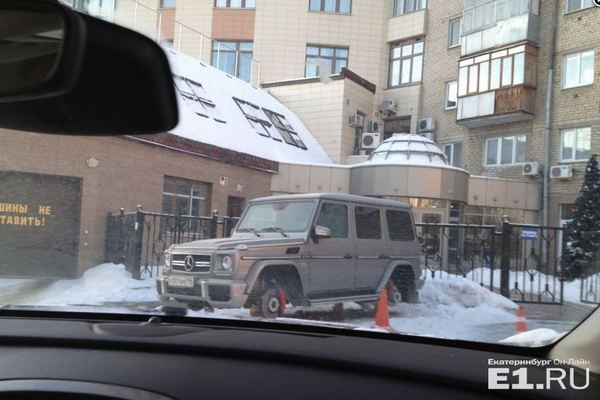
{"type": "Point", "coordinates": [303, 249]}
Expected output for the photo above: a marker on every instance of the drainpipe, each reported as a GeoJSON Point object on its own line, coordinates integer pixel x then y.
{"type": "Point", "coordinates": [548, 116]}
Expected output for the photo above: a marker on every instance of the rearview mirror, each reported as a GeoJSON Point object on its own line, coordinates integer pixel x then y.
{"type": "Point", "coordinates": [41, 49]}
{"type": "Point", "coordinates": [321, 232]}
{"type": "Point", "coordinates": [64, 72]}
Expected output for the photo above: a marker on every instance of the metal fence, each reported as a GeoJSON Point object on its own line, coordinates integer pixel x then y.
{"type": "Point", "coordinates": [590, 289]}
{"type": "Point", "coordinates": [138, 239]}
{"type": "Point", "coordinates": [457, 249]}
{"type": "Point", "coordinates": [521, 262]}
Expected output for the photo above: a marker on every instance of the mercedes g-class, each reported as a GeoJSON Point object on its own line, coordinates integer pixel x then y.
{"type": "Point", "coordinates": [303, 249]}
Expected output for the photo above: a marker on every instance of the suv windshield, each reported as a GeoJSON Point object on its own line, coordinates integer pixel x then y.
{"type": "Point", "coordinates": [289, 217]}
{"type": "Point", "coordinates": [335, 162]}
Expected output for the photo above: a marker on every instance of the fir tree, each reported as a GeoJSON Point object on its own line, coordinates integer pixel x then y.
{"type": "Point", "coordinates": [583, 231]}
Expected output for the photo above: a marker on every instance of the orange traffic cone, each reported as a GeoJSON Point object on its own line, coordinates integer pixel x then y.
{"type": "Point", "coordinates": [521, 324]}
{"type": "Point", "coordinates": [382, 316]}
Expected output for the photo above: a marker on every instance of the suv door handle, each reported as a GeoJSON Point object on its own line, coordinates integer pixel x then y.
{"type": "Point", "coordinates": [348, 256]}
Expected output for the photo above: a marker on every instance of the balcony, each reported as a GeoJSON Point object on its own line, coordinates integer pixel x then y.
{"type": "Point", "coordinates": [502, 106]}
{"type": "Point", "coordinates": [497, 87]}
{"type": "Point", "coordinates": [489, 24]}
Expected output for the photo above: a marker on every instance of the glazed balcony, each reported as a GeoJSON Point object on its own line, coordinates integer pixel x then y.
{"type": "Point", "coordinates": [497, 88]}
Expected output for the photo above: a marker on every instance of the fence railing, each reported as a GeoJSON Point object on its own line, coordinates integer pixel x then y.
{"type": "Point", "coordinates": [161, 26]}
{"type": "Point", "coordinates": [458, 249]}
{"type": "Point", "coordinates": [521, 262]}
{"type": "Point", "coordinates": [590, 289]}
{"type": "Point", "coordinates": [138, 239]}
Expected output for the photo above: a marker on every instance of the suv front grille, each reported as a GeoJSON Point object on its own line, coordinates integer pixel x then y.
{"type": "Point", "coordinates": [201, 263]}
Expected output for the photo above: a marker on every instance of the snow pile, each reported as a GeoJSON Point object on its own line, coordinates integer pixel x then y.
{"type": "Point", "coordinates": [534, 338]}
{"type": "Point", "coordinates": [461, 292]}
{"type": "Point", "coordinates": [106, 283]}
{"type": "Point", "coordinates": [571, 290]}
{"type": "Point", "coordinates": [454, 308]}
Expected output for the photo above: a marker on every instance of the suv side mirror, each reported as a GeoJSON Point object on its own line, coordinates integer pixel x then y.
{"type": "Point", "coordinates": [321, 232]}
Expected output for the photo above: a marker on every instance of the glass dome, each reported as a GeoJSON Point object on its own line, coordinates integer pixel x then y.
{"type": "Point", "coordinates": [408, 149]}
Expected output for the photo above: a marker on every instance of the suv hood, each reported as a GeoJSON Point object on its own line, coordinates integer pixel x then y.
{"type": "Point", "coordinates": [232, 243]}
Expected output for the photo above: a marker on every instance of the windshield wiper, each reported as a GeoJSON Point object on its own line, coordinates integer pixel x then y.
{"type": "Point", "coordinates": [249, 230]}
{"type": "Point", "coordinates": [275, 229]}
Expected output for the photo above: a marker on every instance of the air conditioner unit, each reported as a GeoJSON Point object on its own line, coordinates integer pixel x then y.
{"type": "Point", "coordinates": [531, 169]}
{"type": "Point", "coordinates": [426, 125]}
{"type": "Point", "coordinates": [561, 172]}
{"type": "Point", "coordinates": [429, 135]}
{"type": "Point", "coordinates": [357, 120]}
{"type": "Point", "coordinates": [370, 140]}
{"type": "Point", "coordinates": [373, 126]}
{"type": "Point", "coordinates": [388, 105]}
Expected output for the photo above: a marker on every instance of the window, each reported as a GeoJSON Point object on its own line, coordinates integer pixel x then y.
{"type": "Point", "coordinates": [167, 3]}
{"type": "Point", "coordinates": [451, 95]}
{"type": "Point", "coordinates": [269, 124]}
{"type": "Point", "coordinates": [335, 217]}
{"type": "Point", "coordinates": [197, 98]}
{"type": "Point", "coordinates": [234, 58]}
{"type": "Point", "coordinates": [258, 119]}
{"type": "Point", "coordinates": [575, 144]}
{"type": "Point", "coordinates": [287, 132]}
{"type": "Point", "coordinates": [487, 13]}
{"type": "Point", "coordinates": [492, 71]}
{"type": "Point", "coordinates": [185, 197]}
{"type": "Point", "coordinates": [402, 7]}
{"type": "Point", "coordinates": [454, 154]}
{"type": "Point", "coordinates": [325, 60]}
{"type": "Point", "coordinates": [454, 32]}
{"type": "Point", "coordinates": [505, 150]}
{"type": "Point", "coordinates": [574, 5]}
{"type": "Point", "coordinates": [406, 63]}
{"type": "Point", "coordinates": [368, 223]}
{"type": "Point", "coordinates": [291, 216]}
{"type": "Point", "coordinates": [578, 69]}
{"type": "Point", "coordinates": [331, 6]}
{"type": "Point", "coordinates": [400, 225]}
{"type": "Point", "coordinates": [235, 3]}
{"type": "Point", "coordinates": [567, 212]}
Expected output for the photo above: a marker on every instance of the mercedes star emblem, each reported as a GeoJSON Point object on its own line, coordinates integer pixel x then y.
{"type": "Point", "coordinates": [189, 263]}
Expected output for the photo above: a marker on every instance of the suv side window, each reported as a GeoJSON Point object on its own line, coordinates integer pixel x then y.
{"type": "Point", "coordinates": [399, 225]}
{"type": "Point", "coordinates": [368, 223]}
{"type": "Point", "coordinates": [335, 217]}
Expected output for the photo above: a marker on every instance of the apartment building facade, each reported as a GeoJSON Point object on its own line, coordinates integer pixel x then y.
{"type": "Point", "coordinates": [471, 74]}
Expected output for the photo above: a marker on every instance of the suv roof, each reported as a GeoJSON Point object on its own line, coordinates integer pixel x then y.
{"type": "Point", "coordinates": [349, 198]}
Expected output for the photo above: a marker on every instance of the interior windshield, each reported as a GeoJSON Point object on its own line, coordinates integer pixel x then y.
{"type": "Point", "coordinates": [286, 216]}
{"type": "Point", "coordinates": [445, 189]}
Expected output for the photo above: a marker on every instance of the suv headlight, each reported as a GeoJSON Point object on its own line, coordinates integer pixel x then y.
{"type": "Point", "coordinates": [167, 261]}
{"type": "Point", "coordinates": [227, 263]}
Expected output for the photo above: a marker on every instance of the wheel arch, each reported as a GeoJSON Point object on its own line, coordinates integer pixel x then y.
{"type": "Point", "coordinates": [398, 265]}
{"type": "Point", "coordinates": [258, 270]}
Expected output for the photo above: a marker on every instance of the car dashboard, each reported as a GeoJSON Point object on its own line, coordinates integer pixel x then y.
{"type": "Point", "coordinates": [132, 358]}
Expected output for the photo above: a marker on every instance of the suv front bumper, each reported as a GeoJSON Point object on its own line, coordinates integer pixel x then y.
{"type": "Point", "coordinates": [215, 292]}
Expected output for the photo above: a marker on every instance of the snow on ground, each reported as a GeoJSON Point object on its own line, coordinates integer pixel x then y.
{"type": "Point", "coordinates": [106, 283]}
{"type": "Point", "coordinates": [454, 307]}
{"type": "Point", "coordinates": [571, 290]}
{"type": "Point", "coordinates": [534, 338]}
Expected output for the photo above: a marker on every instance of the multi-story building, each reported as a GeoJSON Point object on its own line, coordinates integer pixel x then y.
{"type": "Point", "coordinates": [471, 74]}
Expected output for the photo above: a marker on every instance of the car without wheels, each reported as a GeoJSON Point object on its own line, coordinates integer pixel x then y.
{"type": "Point", "coordinates": [307, 250]}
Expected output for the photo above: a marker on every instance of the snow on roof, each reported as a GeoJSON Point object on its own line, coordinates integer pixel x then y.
{"type": "Point", "coordinates": [218, 109]}
{"type": "Point", "coordinates": [409, 149]}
